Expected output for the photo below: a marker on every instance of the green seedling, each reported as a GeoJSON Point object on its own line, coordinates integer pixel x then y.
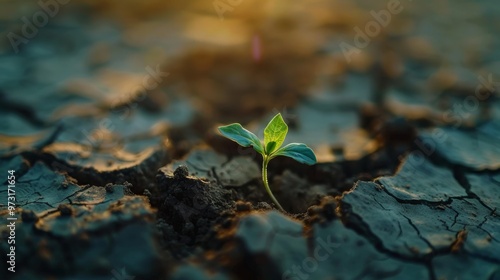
{"type": "Point", "coordinates": [274, 136]}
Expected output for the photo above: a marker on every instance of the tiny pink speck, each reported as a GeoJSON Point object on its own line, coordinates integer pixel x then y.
{"type": "Point", "coordinates": [256, 48]}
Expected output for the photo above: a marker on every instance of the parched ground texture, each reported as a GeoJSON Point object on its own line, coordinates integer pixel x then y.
{"type": "Point", "coordinates": [119, 180]}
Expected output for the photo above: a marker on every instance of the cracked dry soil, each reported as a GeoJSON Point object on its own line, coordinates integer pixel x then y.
{"type": "Point", "coordinates": [113, 186]}
{"type": "Point", "coordinates": [207, 217]}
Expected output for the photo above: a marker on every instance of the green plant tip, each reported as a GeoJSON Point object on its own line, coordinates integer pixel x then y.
{"type": "Point", "coordinates": [274, 136]}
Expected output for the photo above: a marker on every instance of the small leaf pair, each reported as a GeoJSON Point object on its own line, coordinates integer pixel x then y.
{"type": "Point", "coordinates": [274, 136]}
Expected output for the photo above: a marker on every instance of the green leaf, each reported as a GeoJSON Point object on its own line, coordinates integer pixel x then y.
{"type": "Point", "coordinates": [276, 132]}
{"type": "Point", "coordinates": [297, 151]}
{"type": "Point", "coordinates": [271, 146]}
{"type": "Point", "coordinates": [238, 134]}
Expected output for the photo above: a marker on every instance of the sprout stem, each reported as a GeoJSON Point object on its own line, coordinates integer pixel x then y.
{"type": "Point", "coordinates": [266, 184]}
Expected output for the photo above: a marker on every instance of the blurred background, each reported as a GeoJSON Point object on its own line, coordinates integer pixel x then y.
{"type": "Point", "coordinates": [119, 77]}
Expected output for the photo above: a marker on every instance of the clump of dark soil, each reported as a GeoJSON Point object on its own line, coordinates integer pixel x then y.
{"type": "Point", "coordinates": [187, 208]}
